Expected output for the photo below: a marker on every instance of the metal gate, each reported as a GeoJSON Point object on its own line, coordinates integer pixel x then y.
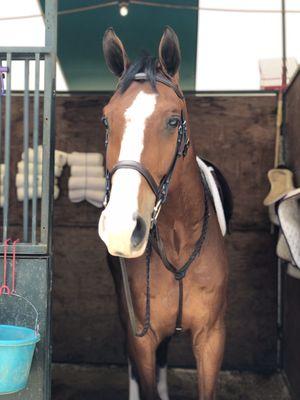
{"type": "Point", "coordinates": [34, 251]}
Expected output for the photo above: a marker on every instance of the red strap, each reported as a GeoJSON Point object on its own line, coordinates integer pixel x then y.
{"type": "Point", "coordinates": [13, 285]}
{"type": "Point", "coordinates": [4, 288]}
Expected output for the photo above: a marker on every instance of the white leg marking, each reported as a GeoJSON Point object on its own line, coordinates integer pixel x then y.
{"type": "Point", "coordinates": [134, 393]}
{"type": "Point", "coordinates": [117, 222]}
{"type": "Point", "coordinates": [162, 384]}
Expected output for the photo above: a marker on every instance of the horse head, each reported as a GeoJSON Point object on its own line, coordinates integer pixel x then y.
{"type": "Point", "coordinates": [144, 120]}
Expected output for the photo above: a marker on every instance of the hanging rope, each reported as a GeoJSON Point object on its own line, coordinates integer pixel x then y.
{"type": "Point", "coordinates": [214, 9]}
{"type": "Point", "coordinates": [157, 5]}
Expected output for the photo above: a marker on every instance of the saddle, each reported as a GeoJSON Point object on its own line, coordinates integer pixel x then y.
{"type": "Point", "coordinates": [283, 201]}
{"type": "Point", "coordinates": [220, 192]}
{"type": "Point", "coordinates": [284, 211]}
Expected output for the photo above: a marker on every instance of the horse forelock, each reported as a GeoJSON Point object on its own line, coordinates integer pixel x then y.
{"type": "Point", "coordinates": [146, 64]}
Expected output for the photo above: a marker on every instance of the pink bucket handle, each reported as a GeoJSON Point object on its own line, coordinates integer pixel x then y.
{"type": "Point", "coordinates": [5, 290]}
{"type": "Point", "coordinates": [13, 285]}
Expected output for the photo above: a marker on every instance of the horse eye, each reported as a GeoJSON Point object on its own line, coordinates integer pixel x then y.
{"type": "Point", "coordinates": [105, 122]}
{"type": "Point", "coordinates": [173, 122]}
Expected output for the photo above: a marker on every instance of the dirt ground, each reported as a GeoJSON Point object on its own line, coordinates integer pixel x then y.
{"type": "Point", "coordinates": [86, 382]}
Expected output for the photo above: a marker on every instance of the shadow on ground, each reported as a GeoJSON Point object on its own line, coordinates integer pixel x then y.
{"type": "Point", "coordinates": [84, 382]}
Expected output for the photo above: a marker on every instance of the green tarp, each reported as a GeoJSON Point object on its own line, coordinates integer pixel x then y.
{"type": "Point", "coordinates": [80, 36]}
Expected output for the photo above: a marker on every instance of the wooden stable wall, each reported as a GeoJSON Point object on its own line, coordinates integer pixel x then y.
{"type": "Point", "coordinates": [291, 285]}
{"type": "Point", "coordinates": [234, 132]}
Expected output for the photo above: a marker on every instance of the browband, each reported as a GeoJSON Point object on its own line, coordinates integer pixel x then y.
{"type": "Point", "coordinates": [142, 76]}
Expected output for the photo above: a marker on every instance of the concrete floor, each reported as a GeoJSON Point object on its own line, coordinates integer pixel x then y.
{"type": "Point", "coordinates": [84, 382]}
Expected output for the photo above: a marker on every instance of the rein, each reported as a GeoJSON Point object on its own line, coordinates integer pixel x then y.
{"type": "Point", "coordinates": [160, 191]}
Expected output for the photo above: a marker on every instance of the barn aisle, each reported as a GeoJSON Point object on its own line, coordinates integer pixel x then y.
{"type": "Point", "coordinates": [86, 382]}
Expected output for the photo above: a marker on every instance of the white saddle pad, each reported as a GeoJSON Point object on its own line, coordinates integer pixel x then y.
{"type": "Point", "coordinates": [213, 188]}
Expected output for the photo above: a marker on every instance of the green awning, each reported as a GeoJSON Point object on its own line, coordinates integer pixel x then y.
{"type": "Point", "coordinates": [80, 37]}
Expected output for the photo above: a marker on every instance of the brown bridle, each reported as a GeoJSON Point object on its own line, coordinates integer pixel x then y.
{"type": "Point", "coordinates": [160, 191]}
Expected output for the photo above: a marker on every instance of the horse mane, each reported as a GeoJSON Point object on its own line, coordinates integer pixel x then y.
{"type": "Point", "coordinates": [144, 63]}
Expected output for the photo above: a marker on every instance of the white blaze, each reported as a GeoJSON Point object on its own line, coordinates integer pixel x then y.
{"type": "Point", "coordinates": [135, 116]}
{"type": "Point", "coordinates": [117, 221]}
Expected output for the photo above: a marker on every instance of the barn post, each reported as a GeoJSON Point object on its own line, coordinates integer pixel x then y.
{"type": "Point", "coordinates": [49, 121]}
{"type": "Point", "coordinates": [34, 256]}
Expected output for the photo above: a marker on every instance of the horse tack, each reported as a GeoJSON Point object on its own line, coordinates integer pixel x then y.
{"type": "Point", "coordinates": [179, 273]}
{"type": "Point", "coordinates": [182, 146]}
{"type": "Point", "coordinates": [160, 191]}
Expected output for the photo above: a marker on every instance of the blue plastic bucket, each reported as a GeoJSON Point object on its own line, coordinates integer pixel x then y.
{"type": "Point", "coordinates": [17, 345]}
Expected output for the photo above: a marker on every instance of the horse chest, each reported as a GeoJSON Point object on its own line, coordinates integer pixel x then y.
{"type": "Point", "coordinates": [202, 294]}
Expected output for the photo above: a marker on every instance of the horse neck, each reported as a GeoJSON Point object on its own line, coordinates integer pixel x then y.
{"type": "Point", "coordinates": [181, 216]}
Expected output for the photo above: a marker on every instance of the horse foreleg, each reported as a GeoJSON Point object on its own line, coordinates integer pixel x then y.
{"type": "Point", "coordinates": [134, 390]}
{"type": "Point", "coordinates": [161, 363]}
{"type": "Point", "coordinates": [142, 357]}
{"type": "Point", "coordinates": [208, 347]}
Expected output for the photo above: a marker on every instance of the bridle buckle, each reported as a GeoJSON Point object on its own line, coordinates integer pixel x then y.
{"type": "Point", "coordinates": [156, 211]}
{"type": "Point", "coordinates": [105, 201]}
{"type": "Point", "coordinates": [107, 188]}
{"type": "Point", "coordinates": [186, 147]}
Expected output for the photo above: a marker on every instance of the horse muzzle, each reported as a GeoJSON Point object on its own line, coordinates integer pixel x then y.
{"type": "Point", "coordinates": [124, 237]}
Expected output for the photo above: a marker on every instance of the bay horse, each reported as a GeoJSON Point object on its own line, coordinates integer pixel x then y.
{"type": "Point", "coordinates": [151, 167]}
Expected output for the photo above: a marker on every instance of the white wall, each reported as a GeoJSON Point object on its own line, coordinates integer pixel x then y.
{"type": "Point", "coordinates": [230, 44]}
{"type": "Point", "coordinates": [24, 32]}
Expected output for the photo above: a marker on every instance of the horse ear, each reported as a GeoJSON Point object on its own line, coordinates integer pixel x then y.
{"type": "Point", "coordinates": [169, 52]}
{"type": "Point", "coordinates": [114, 53]}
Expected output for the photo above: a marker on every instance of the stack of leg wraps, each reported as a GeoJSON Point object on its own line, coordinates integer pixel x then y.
{"type": "Point", "coordinates": [60, 161]}
{"type": "Point", "coordinates": [87, 180]}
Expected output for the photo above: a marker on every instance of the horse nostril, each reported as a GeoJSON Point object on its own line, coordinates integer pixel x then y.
{"type": "Point", "coordinates": [139, 231]}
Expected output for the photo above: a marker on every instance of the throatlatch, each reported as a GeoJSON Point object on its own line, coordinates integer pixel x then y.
{"type": "Point", "coordinates": [160, 191]}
